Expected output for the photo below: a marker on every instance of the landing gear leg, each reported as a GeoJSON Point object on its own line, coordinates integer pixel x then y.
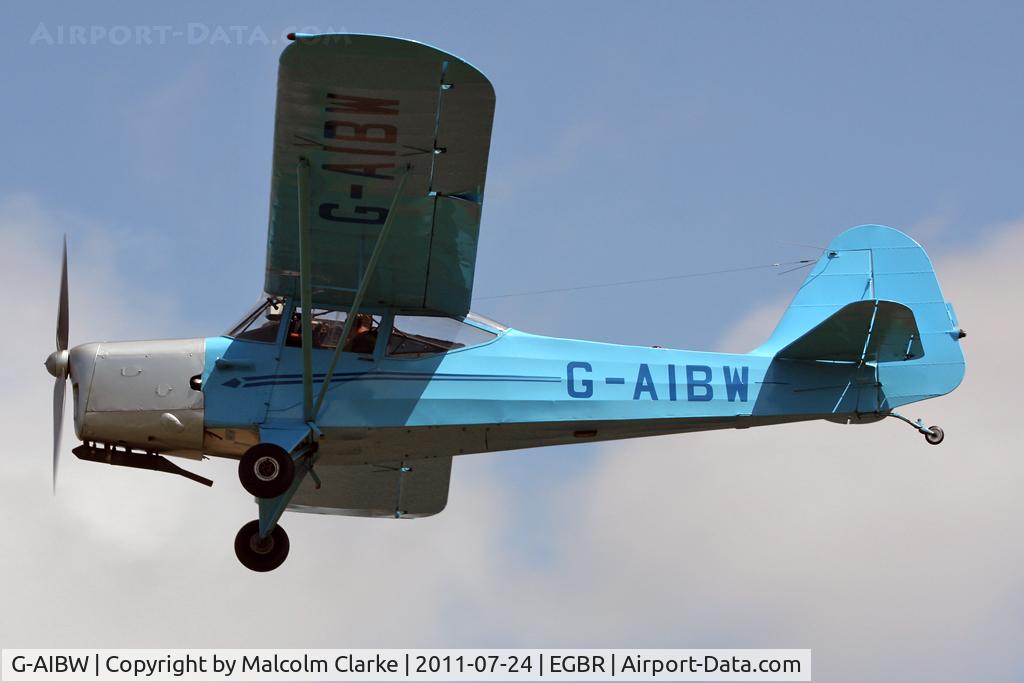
{"type": "Point", "coordinates": [933, 435]}
{"type": "Point", "coordinates": [262, 545]}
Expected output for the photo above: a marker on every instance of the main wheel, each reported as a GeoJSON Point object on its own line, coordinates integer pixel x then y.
{"type": "Point", "coordinates": [935, 436]}
{"type": "Point", "coordinates": [266, 470]}
{"type": "Point", "coordinates": [261, 554]}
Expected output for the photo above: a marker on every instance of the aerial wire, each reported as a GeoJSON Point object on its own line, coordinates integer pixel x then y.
{"type": "Point", "coordinates": [803, 263]}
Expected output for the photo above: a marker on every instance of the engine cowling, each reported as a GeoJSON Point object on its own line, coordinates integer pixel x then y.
{"type": "Point", "coordinates": [140, 394]}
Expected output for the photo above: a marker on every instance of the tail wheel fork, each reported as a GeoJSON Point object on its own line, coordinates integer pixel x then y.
{"type": "Point", "coordinates": [933, 435]}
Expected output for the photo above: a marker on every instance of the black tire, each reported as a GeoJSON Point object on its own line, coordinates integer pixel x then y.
{"type": "Point", "coordinates": [266, 470]}
{"type": "Point", "coordinates": [261, 555]}
{"type": "Point", "coordinates": [935, 436]}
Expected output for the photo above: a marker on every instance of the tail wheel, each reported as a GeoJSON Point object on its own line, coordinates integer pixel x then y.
{"type": "Point", "coordinates": [261, 554]}
{"type": "Point", "coordinates": [935, 435]}
{"type": "Point", "coordinates": [266, 470]}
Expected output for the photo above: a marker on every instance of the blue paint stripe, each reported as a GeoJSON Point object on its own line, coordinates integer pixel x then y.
{"type": "Point", "coordinates": [427, 378]}
{"type": "Point", "coordinates": [388, 373]}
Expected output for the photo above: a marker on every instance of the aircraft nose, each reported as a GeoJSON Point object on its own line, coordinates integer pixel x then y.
{"type": "Point", "coordinates": [57, 364]}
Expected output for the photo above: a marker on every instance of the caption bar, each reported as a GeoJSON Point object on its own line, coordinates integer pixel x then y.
{"type": "Point", "coordinates": [406, 665]}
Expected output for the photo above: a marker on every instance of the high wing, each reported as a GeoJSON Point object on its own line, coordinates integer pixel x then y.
{"type": "Point", "coordinates": [363, 111]}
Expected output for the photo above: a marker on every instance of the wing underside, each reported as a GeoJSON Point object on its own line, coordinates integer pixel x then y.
{"type": "Point", "coordinates": [408, 488]}
{"type": "Point", "coordinates": [364, 111]}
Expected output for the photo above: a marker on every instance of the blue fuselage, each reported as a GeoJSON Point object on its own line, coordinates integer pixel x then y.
{"type": "Point", "coordinates": [519, 390]}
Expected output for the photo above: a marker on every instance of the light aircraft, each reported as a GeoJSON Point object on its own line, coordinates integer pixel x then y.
{"type": "Point", "coordinates": [361, 372]}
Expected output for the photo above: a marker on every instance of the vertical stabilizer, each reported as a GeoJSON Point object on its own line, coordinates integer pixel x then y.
{"type": "Point", "coordinates": [872, 263]}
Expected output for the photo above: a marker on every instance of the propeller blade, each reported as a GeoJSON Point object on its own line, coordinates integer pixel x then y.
{"type": "Point", "coordinates": [62, 306]}
{"type": "Point", "coordinates": [58, 423]}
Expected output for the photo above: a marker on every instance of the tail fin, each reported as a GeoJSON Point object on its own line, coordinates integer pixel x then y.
{"type": "Point", "coordinates": [873, 291]}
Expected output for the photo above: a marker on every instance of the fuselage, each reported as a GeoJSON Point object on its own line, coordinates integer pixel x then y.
{"type": "Point", "coordinates": [516, 390]}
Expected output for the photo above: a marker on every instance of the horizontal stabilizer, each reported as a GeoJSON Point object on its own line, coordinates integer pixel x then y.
{"type": "Point", "coordinates": [871, 330]}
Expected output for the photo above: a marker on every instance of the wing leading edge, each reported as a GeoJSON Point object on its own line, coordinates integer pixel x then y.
{"type": "Point", "coordinates": [364, 110]}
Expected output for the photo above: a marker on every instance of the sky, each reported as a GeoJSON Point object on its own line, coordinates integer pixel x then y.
{"type": "Point", "coordinates": [629, 142]}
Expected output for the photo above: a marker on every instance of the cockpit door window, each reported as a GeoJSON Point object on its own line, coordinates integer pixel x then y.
{"type": "Point", "coordinates": [414, 336]}
{"type": "Point", "coordinates": [327, 328]}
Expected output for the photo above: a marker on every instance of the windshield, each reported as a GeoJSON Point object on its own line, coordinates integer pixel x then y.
{"type": "Point", "coordinates": [261, 323]}
{"type": "Point", "coordinates": [485, 321]}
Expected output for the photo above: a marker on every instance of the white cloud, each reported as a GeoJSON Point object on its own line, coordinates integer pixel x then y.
{"type": "Point", "coordinates": [894, 560]}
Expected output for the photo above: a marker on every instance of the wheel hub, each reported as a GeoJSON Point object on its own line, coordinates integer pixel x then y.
{"type": "Point", "coordinates": [267, 469]}
{"type": "Point", "coordinates": [261, 546]}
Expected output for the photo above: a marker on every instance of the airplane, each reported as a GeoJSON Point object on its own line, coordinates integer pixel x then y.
{"type": "Point", "coordinates": [361, 371]}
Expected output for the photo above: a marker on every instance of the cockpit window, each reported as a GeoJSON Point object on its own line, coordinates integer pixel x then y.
{"type": "Point", "coordinates": [327, 327]}
{"type": "Point", "coordinates": [421, 335]}
{"type": "Point", "coordinates": [411, 336]}
{"type": "Point", "coordinates": [261, 324]}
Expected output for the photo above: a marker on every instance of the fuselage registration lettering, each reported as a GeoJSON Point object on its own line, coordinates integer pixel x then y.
{"type": "Point", "coordinates": [664, 382]}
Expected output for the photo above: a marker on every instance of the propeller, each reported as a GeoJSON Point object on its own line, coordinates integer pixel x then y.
{"type": "Point", "coordinates": [57, 362]}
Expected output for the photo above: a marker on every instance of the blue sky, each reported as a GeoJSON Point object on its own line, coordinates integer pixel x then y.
{"type": "Point", "coordinates": [630, 141]}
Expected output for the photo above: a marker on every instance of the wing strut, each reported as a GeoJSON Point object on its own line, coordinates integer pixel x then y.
{"type": "Point", "coordinates": [357, 301]}
{"type": "Point", "coordinates": [306, 289]}
{"type": "Point", "coordinates": [294, 442]}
